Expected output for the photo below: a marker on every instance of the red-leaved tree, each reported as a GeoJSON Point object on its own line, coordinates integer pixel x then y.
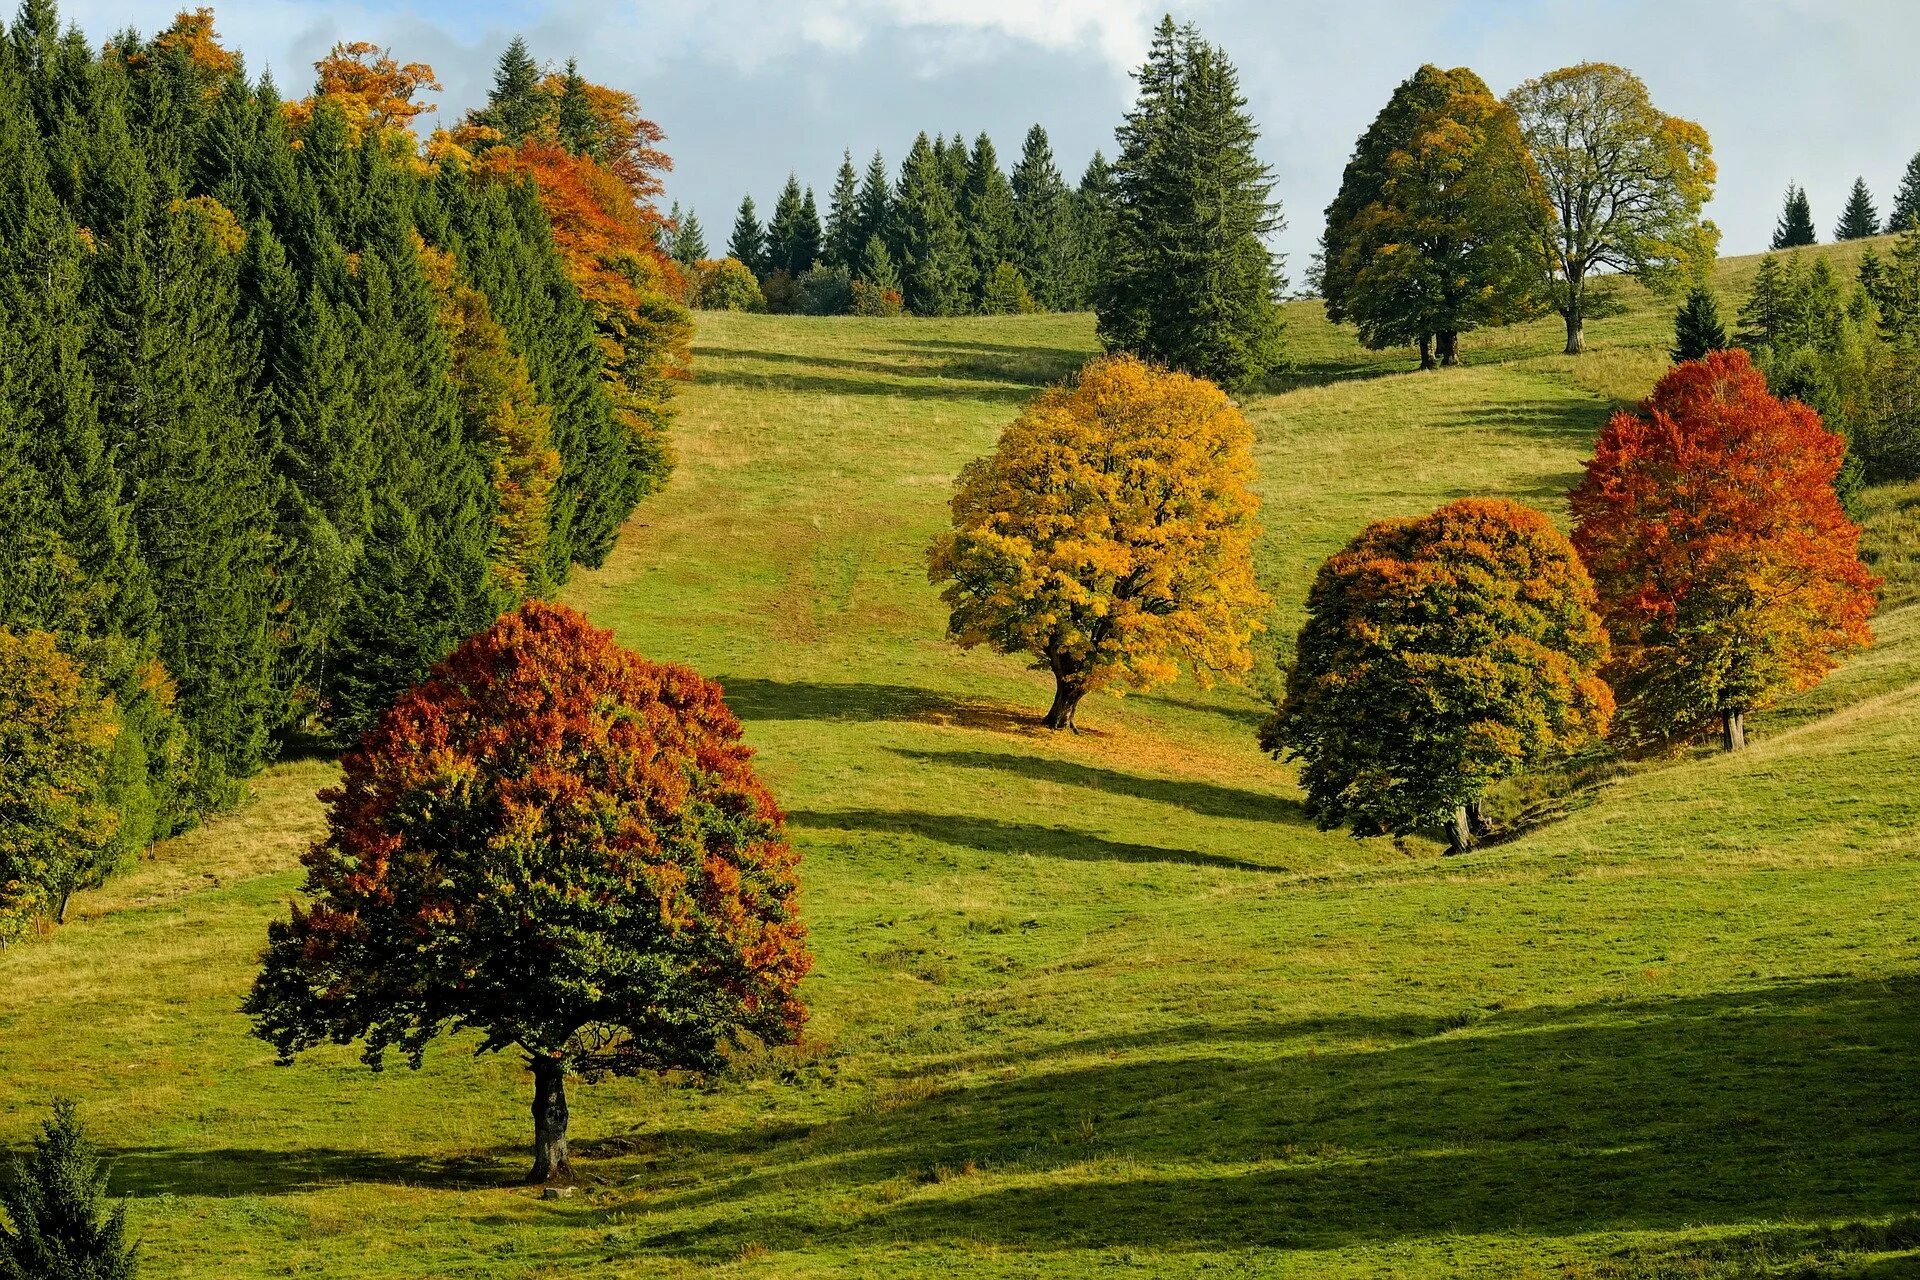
{"type": "Point", "coordinates": [1728, 572]}
{"type": "Point", "coordinates": [559, 845]}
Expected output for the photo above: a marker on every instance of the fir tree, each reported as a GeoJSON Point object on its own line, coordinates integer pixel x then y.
{"type": "Point", "coordinates": [936, 273]}
{"type": "Point", "coordinates": [56, 1223]}
{"type": "Point", "coordinates": [986, 212]}
{"type": "Point", "coordinates": [748, 244]}
{"type": "Point", "coordinates": [689, 241]}
{"type": "Point", "coordinates": [787, 239]}
{"type": "Point", "coordinates": [517, 104]}
{"type": "Point", "coordinates": [1192, 283]}
{"type": "Point", "coordinates": [1795, 227]}
{"type": "Point", "coordinates": [1042, 237]}
{"type": "Point", "coordinates": [805, 252]}
{"type": "Point", "coordinates": [1859, 219]}
{"type": "Point", "coordinates": [1696, 327]}
{"type": "Point", "coordinates": [1906, 202]}
{"type": "Point", "coordinates": [1092, 228]}
{"type": "Point", "coordinates": [873, 211]}
{"type": "Point", "coordinates": [840, 247]}
{"type": "Point", "coordinates": [876, 265]}
{"type": "Point", "coordinates": [580, 128]}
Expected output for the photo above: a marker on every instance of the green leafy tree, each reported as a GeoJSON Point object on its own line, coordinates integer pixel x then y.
{"type": "Point", "coordinates": [1440, 655]}
{"type": "Point", "coordinates": [1439, 220]}
{"type": "Point", "coordinates": [1696, 326]}
{"type": "Point", "coordinates": [1795, 227]}
{"type": "Point", "coordinates": [748, 244]}
{"type": "Point", "coordinates": [1859, 219]}
{"type": "Point", "coordinates": [1189, 280]}
{"type": "Point", "coordinates": [54, 1222]}
{"type": "Point", "coordinates": [1626, 182]}
{"type": "Point", "coordinates": [840, 245]}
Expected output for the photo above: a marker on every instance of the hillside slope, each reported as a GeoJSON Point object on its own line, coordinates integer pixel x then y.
{"type": "Point", "coordinates": [1103, 1003]}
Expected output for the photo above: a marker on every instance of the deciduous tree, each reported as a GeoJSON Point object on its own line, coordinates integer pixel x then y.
{"type": "Point", "coordinates": [1441, 654]}
{"type": "Point", "coordinates": [559, 845]}
{"type": "Point", "coordinates": [1728, 573]}
{"type": "Point", "coordinates": [1109, 535]}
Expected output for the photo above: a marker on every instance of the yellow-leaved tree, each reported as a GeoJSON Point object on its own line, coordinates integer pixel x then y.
{"type": "Point", "coordinates": [1110, 535]}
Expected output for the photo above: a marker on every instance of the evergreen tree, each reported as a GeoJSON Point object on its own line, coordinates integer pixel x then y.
{"type": "Point", "coordinates": [840, 247]}
{"type": "Point", "coordinates": [689, 240]}
{"type": "Point", "coordinates": [1906, 202]}
{"type": "Point", "coordinates": [936, 271]}
{"type": "Point", "coordinates": [1795, 227]}
{"type": "Point", "coordinates": [580, 128]}
{"type": "Point", "coordinates": [517, 105]}
{"type": "Point", "coordinates": [55, 1223]}
{"type": "Point", "coordinates": [806, 248]}
{"type": "Point", "coordinates": [873, 210]}
{"type": "Point", "coordinates": [1042, 210]}
{"type": "Point", "coordinates": [791, 245]}
{"type": "Point", "coordinates": [1696, 327]}
{"type": "Point", "coordinates": [1191, 282]}
{"type": "Point", "coordinates": [1859, 219]}
{"type": "Point", "coordinates": [1092, 227]}
{"type": "Point", "coordinates": [748, 244]}
{"type": "Point", "coordinates": [986, 213]}
{"type": "Point", "coordinates": [876, 265]}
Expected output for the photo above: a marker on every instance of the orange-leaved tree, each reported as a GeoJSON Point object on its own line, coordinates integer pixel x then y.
{"type": "Point", "coordinates": [1440, 655]}
{"type": "Point", "coordinates": [1728, 572]}
{"type": "Point", "coordinates": [559, 845]}
{"type": "Point", "coordinates": [1110, 535]}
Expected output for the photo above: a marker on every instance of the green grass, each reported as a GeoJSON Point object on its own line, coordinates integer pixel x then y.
{"type": "Point", "coordinates": [1104, 1004]}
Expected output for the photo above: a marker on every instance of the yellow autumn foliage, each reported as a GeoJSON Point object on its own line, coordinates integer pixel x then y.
{"type": "Point", "coordinates": [1110, 535]}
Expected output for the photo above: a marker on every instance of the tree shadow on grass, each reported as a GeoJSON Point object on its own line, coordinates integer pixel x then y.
{"type": "Point", "coordinates": [1790, 1104]}
{"type": "Point", "coordinates": [234, 1171]}
{"type": "Point", "coordinates": [989, 835]}
{"type": "Point", "coordinates": [754, 698]}
{"type": "Point", "coordinates": [820, 384]}
{"type": "Point", "coordinates": [1207, 798]}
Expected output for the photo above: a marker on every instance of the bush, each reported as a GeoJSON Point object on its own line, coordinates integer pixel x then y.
{"type": "Point", "coordinates": [783, 293]}
{"type": "Point", "coordinates": [58, 1230]}
{"type": "Point", "coordinates": [1006, 293]}
{"type": "Point", "coordinates": [870, 299]}
{"type": "Point", "coordinates": [726, 284]}
{"type": "Point", "coordinates": [826, 291]}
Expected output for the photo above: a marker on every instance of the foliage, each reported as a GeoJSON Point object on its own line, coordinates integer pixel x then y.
{"type": "Point", "coordinates": [374, 92]}
{"type": "Point", "coordinates": [1906, 201]}
{"type": "Point", "coordinates": [1109, 535]}
{"type": "Point", "coordinates": [1189, 280]}
{"type": "Point", "coordinates": [1627, 180]}
{"type": "Point", "coordinates": [1006, 292]}
{"type": "Point", "coordinates": [826, 291]}
{"type": "Point", "coordinates": [1043, 242]}
{"type": "Point", "coordinates": [1728, 573]}
{"type": "Point", "coordinates": [1859, 219]}
{"type": "Point", "coordinates": [558, 844]}
{"type": "Point", "coordinates": [689, 241]}
{"type": "Point", "coordinates": [1439, 655]}
{"type": "Point", "coordinates": [728, 285]}
{"type": "Point", "coordinates": [781, 291]}
{"type": "Point", "coordinates": [748, 243]}
{"type": "Point", "coordinates": [871, 299]}
{"type": "Point", "coordinates": [1696, 326]}
{"type": "Point", "coordinates": [937, 271]}
{"type": "Point", "coordinates": [1439, 219]}
{"type": "Point", "coordinates": [1795, 228]}
{"type": "Point", "coordinates": [60, 1229]}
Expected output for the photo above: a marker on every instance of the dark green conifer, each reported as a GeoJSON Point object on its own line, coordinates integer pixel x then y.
{"type": "Point", "coordinates": [1042, 236]}
{"type": "Point", "coordinates": [1795, 227]}
{"type": "Point", "coordinates": [517, 106]}
{"type": "Point", "coordinates": [841, 243]}
{"type": "Point", "coordinates": [1696, 327]}
{"type": "Point", "coordinates": [54, 1220]}
{"type": "Point", "coordinates": [987, 215]}
{"type": "Point", "coordinates": [1906, 201]}
{"type": "Point", "coordinates": [1859, 219]}
{"type": "Point", "coordinates": [748, 244]}
{"type": "Point", "coordinates": [936, 271]}
{"type": "Point", "coordinates": [873, 211]}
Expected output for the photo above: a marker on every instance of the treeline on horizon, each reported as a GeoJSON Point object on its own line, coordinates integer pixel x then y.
{"type": "Point", "coordinates": [291, 403]}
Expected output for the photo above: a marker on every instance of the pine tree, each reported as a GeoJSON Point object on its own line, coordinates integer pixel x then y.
{"type": "Point", "coordinates": [1041, 213]}
{"type": "Point", "coordinates": [876, 265]}
{"type": "Point", "coordinates": [60, 1225]}
{"type": "Point", "coordinates": [786, 231]}
{"type": "Point", "coordinates": [1795, 227]}
{"type": "Point", "coordinates": [1192, 283]}
{"type": "Point", "coordinates": [689, 240]}
{"type": "Point", "coordinates": [580, 128]}
{"type": "Point", "coordinates": [1092, 225]}
{"type": "Point", "coordinates": [936, 270]}
{"type": "Point", "coordinates": [517, 104]}
{"type": "Point", "coordinates": [841, 244]}
{"type": "Point", "coordinates": [873, 211]}
{"type": "Point", "coordinates": [986, 213]}
{"type": "Point", "coordinates": [748, 244]}
{"type": "Point", "coordinates": [805, 253]}
{"type": "Point", "coordinates": [1859, 219]}
{"type": "Point", "coordinates": [1906, 202]}
{"type": "Point", "coordinates": [1696, 327]}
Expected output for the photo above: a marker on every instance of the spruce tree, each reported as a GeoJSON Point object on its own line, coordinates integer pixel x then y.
{"type": "Point", "coordinates": [786, 235]}
{"type": "Point", "coordinates": [1041, 213]}
{"type": "Point", "coordinates": [876, 265]}
{"type": "Point", "coordinates": [805, 252]}
{"type": "Point", "coordinates": [748, 244]}
{"type": "Point", "coordinates": [873, 211]}
{"type": "Point", "coordinates": [1092, 227]}
{"type": "Point", "coordinates": [579, 126]}
{"type": "Point", "coordinates": [54, 1222]}
{"type": "Point", "coordinates": [1859, 219]}
{"type": "Point", "coordinates": [1192, 283]}
{"type": "Point", "coordinates": [1906, 202]}
{"type": "Point", "coordinates": [987, 214]}
{"type": "Point", "coordinates": [936, 271]}
{"type": "Point", "coordinates": [1795, 227]}
{"type": "Point", "coordinates": [517, 105]}
{"type": "Point", "coordinates": [689, 240]}
{"type": "Point", "coordinates": [1696, 326]}
{"type": "Point", "coordinates": [841, 243]}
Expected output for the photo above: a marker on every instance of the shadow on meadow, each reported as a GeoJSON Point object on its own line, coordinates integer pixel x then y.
{"type": "Point", "coordinates": [1207, 798]}
{"type": "Point", "coordinates": [754, 698]}
{"type": "Point", "coordinates": [1786, 1104]}
{"type": "Point", "coordinates": [990, 835]}
{"type": "Point", "coordinates": [936, 370]}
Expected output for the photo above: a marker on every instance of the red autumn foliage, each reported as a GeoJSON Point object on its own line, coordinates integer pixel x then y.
{"type": "Point", "coordinates": [559, 844]}
{"type": "Point", "coordinates": [1728, 572]}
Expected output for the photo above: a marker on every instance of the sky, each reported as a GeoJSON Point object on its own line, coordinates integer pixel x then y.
{"type": "Point", "coordinates": [1814, 91]}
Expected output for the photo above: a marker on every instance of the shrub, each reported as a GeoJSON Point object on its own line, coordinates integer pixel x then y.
{"type": "Point", "coordinates": [1006, 293]}
{"type": "Point", "coordinates": [782, 292]}
{"type": "Point", "coordinates": [826, 291]}
{"type": "Point", "coordinates": [727, 285]}
{"type": "Point", "coordinates": [873, 300]}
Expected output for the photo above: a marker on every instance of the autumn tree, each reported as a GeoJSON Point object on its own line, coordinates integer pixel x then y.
{"type": "Point", "coordinates": [1438, 222]}
{"type": "Point", "coordinates": [1109, 535]}
{"type": "Point", "coordinates": [1440, 655]}
{"type": "Point", "coordinates": [1728, 573]}
{"type": "Point", "coordinates": [1859, 219]}
{"type": "Point", "coordinates": [1626, 182]}
{"type": "Point", "coordinates": [559, 845]}
{"type": "Point", "coordinates": [1795, 228]}
{"type": "Point", "coordinates": [374, 91]}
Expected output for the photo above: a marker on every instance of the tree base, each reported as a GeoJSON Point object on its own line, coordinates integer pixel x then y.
{"type": "Point", "coordinates": [1066, 700]}
{"type": "Point", "coordinates": [1733, 730]}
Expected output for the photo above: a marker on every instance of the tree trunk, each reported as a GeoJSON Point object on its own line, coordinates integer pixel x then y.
{"type": "Point", "coordinates": [60, 911]}
{"type": "Point", "coordinates": [1426, 351]}
{"type": "Point", "coordinates": [1066, 697]}
{"type": "Point", "coordinates": [1733, 730]}
{"type": "Point", "coordinates": [551, 1162]}
{"type": "Point", "coordinates": [1460, 830]}
{"type": "Point", "coordinates": [1576, 332]}
{"type": "Point", "coordinates": [1476, 821]}
{"type": "Point", "coordinates": [1448, 343]}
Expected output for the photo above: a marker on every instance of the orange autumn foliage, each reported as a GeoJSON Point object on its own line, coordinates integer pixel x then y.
{"type": "Point", "coordinates": [192, 34]}
{"type": "Point", "coordinates": [375, 93]}
{"type": "Point", "coordinates": [1728, 572]}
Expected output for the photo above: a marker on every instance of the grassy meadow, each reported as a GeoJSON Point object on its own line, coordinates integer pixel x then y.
{"type": "Point", "coordinates": [1103, 1004]}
